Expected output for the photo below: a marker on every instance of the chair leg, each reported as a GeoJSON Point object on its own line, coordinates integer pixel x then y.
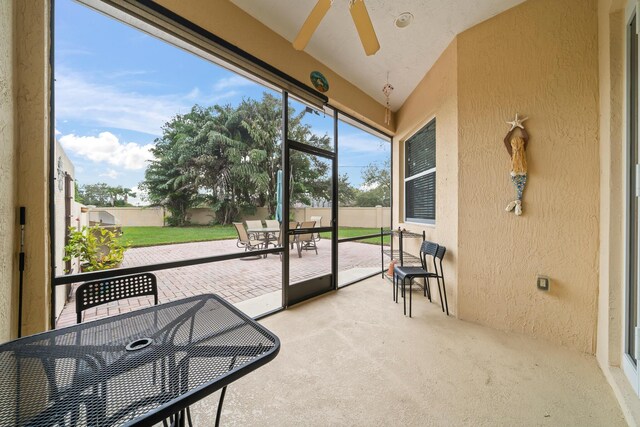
{"type": "Point", "coordinates": [440, 292]}
{"type": "Point", "coordinates": [427, 285]}
{"type": "Point", "coordinates": [397, 288]}
{"type": "Point", "coordinates": [444, 289]}
{"type": "Point", "coordinates": [299, 250]}
{"type": "Point", "coordinates": [404, 296]}
{"type": "Point", "coordinates": [410, 295]}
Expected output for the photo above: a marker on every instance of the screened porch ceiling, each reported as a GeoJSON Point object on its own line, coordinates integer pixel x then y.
{"type": "Point", "coordinates": [405, 54]}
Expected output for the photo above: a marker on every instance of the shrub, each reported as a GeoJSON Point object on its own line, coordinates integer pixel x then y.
{"type": "Point", "coordinates": [97, 248]}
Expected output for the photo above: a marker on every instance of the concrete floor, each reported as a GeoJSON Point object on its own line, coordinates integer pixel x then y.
{"type": "Point", "coordinates": [352, 359]}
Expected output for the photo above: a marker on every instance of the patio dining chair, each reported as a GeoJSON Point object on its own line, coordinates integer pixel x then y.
{"type": "Point", "coordinates": [244, 241]}
{"type": "Point", "coordinates": [272, 223]}
{"type": "Point", "coordinates": [292, 226]}
{"type": "Point", "coordinates": [306, 242]}
{"type": "Point", "coordinates": [253, 223]}
{"type": "Point", "coordinates": [318, 221]}
{"type": "Point", "coordinates": [98, 292]}
{"type": "Point", "coordinates": [403, 273]}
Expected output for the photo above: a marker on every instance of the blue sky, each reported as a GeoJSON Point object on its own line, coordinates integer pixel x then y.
{"type": "Point", "coordinates": [116, 86]}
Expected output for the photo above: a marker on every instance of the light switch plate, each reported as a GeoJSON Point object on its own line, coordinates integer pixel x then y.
{"type": "Point", "coordinates": [543, 283]}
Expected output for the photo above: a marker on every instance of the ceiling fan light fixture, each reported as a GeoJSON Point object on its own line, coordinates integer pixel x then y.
{"type": "Point", "coordinates": [403, 20]}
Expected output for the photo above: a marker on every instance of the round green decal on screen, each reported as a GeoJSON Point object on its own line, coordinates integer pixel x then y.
{"type": "Point", "coordinates": [319, 81]}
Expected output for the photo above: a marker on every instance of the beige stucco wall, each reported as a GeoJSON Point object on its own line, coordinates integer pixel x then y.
{"type": "Point", "coordinates": [7, 172]}
{"type": "Point", "coordinates": [540, 59]}
{"type": "Point", "coordinates": [136, 216]}
{"type": "Point", "coordinates": [32, 73]}
{"type": "Point", "coordinates": [59, 223]}
{"type": "Point", "coordinates": [612, 77]}
{"type": "Point", "coordinates": [226, 20]}
{"type": "Point", "coordinates": [435, 96]}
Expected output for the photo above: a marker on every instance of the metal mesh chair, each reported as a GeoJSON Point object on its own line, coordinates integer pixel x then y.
{"type": "Point", "coordinates": [98, 292]}
{"type": "Point", "coordinates": [403, 273]}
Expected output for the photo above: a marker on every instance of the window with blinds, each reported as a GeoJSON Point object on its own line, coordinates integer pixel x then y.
{"type": "Point", "coordinates": [420, 175]}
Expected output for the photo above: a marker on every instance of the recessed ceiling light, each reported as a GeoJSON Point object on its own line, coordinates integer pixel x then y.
{"type": "Point", "coordinates": [403, 20]}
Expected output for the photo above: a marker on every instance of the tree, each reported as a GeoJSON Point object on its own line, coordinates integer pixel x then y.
{"type": "Point", "coordinates": [346, 192]}
{"type": "Point", "coordinates": [103, 195]}
{"type": "Point", "coordinates": [227, 158]}
{"type": "Point", "coordinates": [376, 185]}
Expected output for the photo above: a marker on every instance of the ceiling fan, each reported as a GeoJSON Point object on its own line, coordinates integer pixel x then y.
{"type": "Point", "coordinates": [360, 18]}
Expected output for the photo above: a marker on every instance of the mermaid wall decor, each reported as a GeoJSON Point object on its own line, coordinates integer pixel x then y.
{"type": "Point", "coordinates": [517, 148]}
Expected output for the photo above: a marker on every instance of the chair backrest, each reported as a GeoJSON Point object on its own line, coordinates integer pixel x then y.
{"type": "Point", "coordinates": [306, 236]}
{"type": "Point", "coordinates": [427, 249]}
{"type": "Point", "coordinates": [318, 220]}
{"type": "Point", "coordinates": [439, 255]}
{"type": "Point", "coordinates": [293, 225]}
{"type": "Point", "coordinates": [254, 223]}
{"type": "Point", "coordinates": [242, 232]}
{"type": "Point", "coordinates": [272, 223]}
{"type": "Point", "coordinates": [98, 292]}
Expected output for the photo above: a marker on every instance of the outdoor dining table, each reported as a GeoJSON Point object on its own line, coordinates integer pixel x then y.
{"type": "Point", "coordinates": [138, 368]}
{"type": "Point", "coordinates": [266, 232]}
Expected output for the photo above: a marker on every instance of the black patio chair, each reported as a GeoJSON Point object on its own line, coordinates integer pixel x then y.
{"type": "Point", "coordinates": [402, 274]}
{"type": "Point", "coordinates": [98, 292]}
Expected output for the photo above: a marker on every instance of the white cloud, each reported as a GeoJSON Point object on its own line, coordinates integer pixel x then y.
{"type": "Point", "coordinates": [111, 173]}
{"type": "Point", "coordinates": [231, 83]}
{"type": "Point", "coordinates": [140, 199]}
{"type": "Point", "coordinates": [363, 144]}
{"type": "Point", "coordinates": [373, 186]}
{"type": "Point", "coordinates": [112, 104]}
{"type": "Point", "coordinates": [106, 148]}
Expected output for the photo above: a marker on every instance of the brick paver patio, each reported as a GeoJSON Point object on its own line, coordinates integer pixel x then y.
{"type": "Point", "coordinates": [235, 280]}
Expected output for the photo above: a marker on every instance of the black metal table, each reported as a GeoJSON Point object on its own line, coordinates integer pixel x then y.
{"type": "Point", "coordinates": [137, 368]}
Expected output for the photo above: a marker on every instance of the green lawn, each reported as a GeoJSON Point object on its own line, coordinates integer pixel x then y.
{"type": "Point", "coordinates": [152, 236]}
{"type": "Point", "coordinates": [344, 232]}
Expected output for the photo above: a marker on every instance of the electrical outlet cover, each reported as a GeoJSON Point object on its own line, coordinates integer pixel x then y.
{"type": "Point", "coordinates": [543, 283]}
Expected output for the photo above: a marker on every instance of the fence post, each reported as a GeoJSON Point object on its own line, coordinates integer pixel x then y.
{"type": "Point", "coordinates": [378, 216]}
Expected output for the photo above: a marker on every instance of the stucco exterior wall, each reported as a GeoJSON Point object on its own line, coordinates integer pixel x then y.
{"type": "Point", "coordinates": [541, 60]}
{"type": "Point", "coordinates": [7, 172]}
{"type": "Point", "coordinates": [32, 73]}
{"type": "Point", "coordinates": [226, 20]}
{"type": "Point", "coordinates": [59, 222]}
{"type": "Point", "coordinates": [613, 120]}
{"type": "Point", "coordinates": [136, 216]}
{"type": "Point", "coordinates": [436, 96]}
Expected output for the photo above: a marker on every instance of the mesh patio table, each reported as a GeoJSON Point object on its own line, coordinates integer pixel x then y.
{"type": "Point", "coordinates": [137, 368]}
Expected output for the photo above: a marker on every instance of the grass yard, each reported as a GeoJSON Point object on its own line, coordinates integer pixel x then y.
{"type": "Point", "coordinates": [153, 236]}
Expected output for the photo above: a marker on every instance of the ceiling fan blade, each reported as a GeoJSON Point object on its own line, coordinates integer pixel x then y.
{"type": "Point", "coordinates": [309, 27]}
{"type": "Point", "coordinates": [364, 26]}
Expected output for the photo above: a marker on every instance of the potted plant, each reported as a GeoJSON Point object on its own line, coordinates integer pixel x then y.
{"type": "Point", "coordinates": [96, 248]}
